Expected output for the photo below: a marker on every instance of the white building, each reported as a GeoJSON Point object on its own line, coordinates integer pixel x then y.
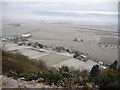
{"type": "Point", "coordinates": [26, 35]}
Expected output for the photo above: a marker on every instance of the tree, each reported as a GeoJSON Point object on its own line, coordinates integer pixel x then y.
{"type": "Point", "coordinates": [76, 55]}
{"type": "Point", "coordinates": [81, 40]}
{"type": "Point", "coordinates": [94, 71]}
{"type": "Point", "coordinates": [64, 69]}
{"type": "Point", "coordinates": [114, 65]}
{"type": "Point", "coordinates": [119, 68]}
{"type": "Point", "coordinates": [75, 39]}
{"type": "Point", "coordinates": [67, 50]}
{"type": "Point", "coordinates": [40, 45]}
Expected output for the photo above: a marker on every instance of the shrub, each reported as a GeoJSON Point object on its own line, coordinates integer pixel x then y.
{"type": "Point", "coordinates": [18, 62]}
{"type": "Point", "coordinates": [108, 79]}
{"type": "Point", "coordinates": [29, 44]}
{"type": "Point", "coordinates": [40, 45]}
{"type": "Point", "coordinates": [58, 49]}
{"type": "Point", "coordinates": [94, 71]}
{"type": "Point", "coordinates": [41, 65]}
{"type": "Point", "coordinates": [64, 69]}
{"type": "Point", "coordinates": [75, 39]}
{"type": "Point", "coordinates": [17, 65]}
{"type": "Point", "coordinates": [50, 76]}
{"type": "Point", "coordinates": [31, 76]}
{"type": "Point", "coordinates": [114, 65]}
{"type": "Point", "coordinates": [64, 74]}
{"type": "Point", "coordinates": [76, 55]}
{"type": "Point", "coordinates": [12, 73]}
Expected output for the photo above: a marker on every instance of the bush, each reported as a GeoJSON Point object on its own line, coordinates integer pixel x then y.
{"type": "Point", "coordinates": [64, 73]}
{"type": "Point", "coordinates": [16, 65]}
{"type": "Point", "coordinates": [114, 65]}
{"type": "Point", "coordinates": [31, 76]}
{"type": "Point", "coordinates": [108, 79]}
{"type": "Point", "coordinates": [76, 55]}
{"type": "Point", "coordinates": [12, 73]}
{"type": "Point", "coordinates": [18, 62]}
{"type": "Point", "coordinates": [64, 69]}
{"type": "Point", "coordinates": [41, 64]}
{"type": "Point", "coordinates": [50, 76]}
{"type": "Point", "coordinates": [40, 45]}
{"type": "Point", "coordinates": [94, 71]}
{"type": "Point", "coordinates": [75, 39]}
{"type": "Point", "coordinates": [58, 49]}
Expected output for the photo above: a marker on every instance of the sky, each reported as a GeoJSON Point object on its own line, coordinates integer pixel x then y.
{"type": "Point", "coordinates": [105, 6]}
{"type": "Point", "coordinates": [100, 11]}
{"type": "Point", "coordinates": [85, 5]}
{"type": "Point", "coordinates": [59, 0]}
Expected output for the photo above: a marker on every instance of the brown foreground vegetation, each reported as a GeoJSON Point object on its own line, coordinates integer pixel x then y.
{"type": "Point", "coordinates": [19, 66]}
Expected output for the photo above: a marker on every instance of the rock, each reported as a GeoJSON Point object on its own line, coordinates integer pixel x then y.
{"type": "Point", "coordinates": [40, 80]}
{"type": "Point", "coordinates": [8, 82]}
{"type": "Point", "coordinates": [89, 85]}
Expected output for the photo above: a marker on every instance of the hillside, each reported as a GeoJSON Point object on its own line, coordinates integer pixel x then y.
{"type": "Point", "coordinates": [24, 72]}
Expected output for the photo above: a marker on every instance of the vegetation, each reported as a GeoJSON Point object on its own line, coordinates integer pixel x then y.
{"type": "Point", "coordinates": [114, 65]}
{"type": "Point", "coordinates": [17, 65]}
{"type": "Point", "coordinates": [29, 44]}
{"type": "Point", "coordinates": [108, 78]}
{"type": "Point", "coordinates": [94, 71]}
{"type": "Point", "coordinates": [76, 55]}
{"type": "Point", "coordinates": [40, 45]}
{"type": "Point", "coordinates": [75, 39]}
{"type": "Point", "coordinates": [63, 76]}
{"type": "Point", "coordinates": [81, 40]}
{"type": "Point", "coordinates": [58, 49]}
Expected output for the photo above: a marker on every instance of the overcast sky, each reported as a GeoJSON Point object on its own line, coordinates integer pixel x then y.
{"type": "Point", "coordinates": [101, 11]}
{"type": "Point", "coordinates": [59, 0]}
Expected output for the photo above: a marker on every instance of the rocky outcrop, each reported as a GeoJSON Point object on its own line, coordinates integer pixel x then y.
{"type": "Point", "coordinates": [9, 82]}
{"type": "Point", "coordinates": [20, 83]}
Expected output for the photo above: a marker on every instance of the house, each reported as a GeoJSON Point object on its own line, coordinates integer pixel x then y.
{"type": "Point", "coordinates": [83, 56]}
{"type": "Point", "coordinates": [26, 35]}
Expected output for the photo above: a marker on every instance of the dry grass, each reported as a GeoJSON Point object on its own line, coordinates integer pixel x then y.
{"type": "Point", "coordinates": [19, 63]}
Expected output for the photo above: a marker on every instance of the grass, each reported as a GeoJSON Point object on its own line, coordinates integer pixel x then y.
{"type": "Point", "coordinates": [17, 63]}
